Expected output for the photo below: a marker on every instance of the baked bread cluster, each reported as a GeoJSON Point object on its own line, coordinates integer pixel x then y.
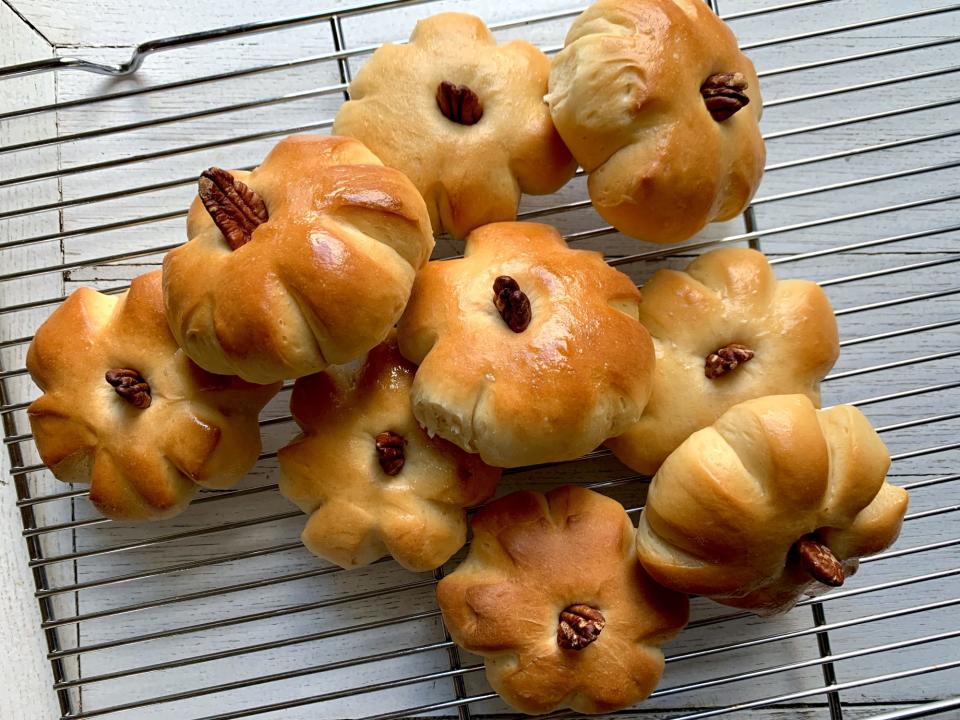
{"type": "Point", "coordinates": [305, 262]}
{"type": "Point", "coordinates": [539, 357]}
{"type": "Point", "coordinates": [463, 118]}
{"type": "Point", "coordinates": [124, 409]}
{"type": "Point", "coordinates": [660, 107]}
{"type": "Point", "coordinates": [371, 480]}
{"type": "Point", "coordinates": [552, 597]}
{"type": "Point", "coordinates": [773, 500]}
{"type": "Point", "coordinates": [725, 330]}
{"type": "Point", "coordinates": [417, 381]}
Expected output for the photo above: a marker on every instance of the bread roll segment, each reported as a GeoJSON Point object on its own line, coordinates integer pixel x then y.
{"type": "Point", "coordinates": [726, 510]}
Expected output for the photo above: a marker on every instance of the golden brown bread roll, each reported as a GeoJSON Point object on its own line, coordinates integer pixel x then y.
{"type": "Point", "coordinates": [773, 500]}
{"type": "Point", "coordinates": [642, 94]}
{"type": "Point", "coordinates": [529, 351]}
{"type": "Point", "coordinates": [309, 263]}
{"type": "Point", "coordinates": [124, 409]}
{"type": "Point", "coordinates": [372, 481]}
{"type": "Point", "coordinates": [463, 117]}
{"type": "Point", "coordinates": [725, 330]}
{"type": "Point", "coordinates": [552, 597]}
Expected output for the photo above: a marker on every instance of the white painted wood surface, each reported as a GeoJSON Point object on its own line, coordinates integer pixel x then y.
{"type": "Point", "coordinates": [26, 677]}
{"type": "Point", "coordinates": [105, 31]}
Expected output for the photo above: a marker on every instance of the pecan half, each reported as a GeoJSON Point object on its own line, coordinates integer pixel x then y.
{"type": "Point", "coordinates": [724, 94]}
{"type": "Point", "coordinates": [579, 626]}
{"type": "Point", "coordinates": [512, 303]}
{"type": "Point", "coordinates": [459, 104]}
{"type": "Point", "coordinates": [235, 208]}
{"type": "Point", "coordinates": [726, 359]}
{"type": "Point", "coordinates": [130, 385]}
{"type": "Point", "coordinates": [819, 561]}
{"type": "Point", "coordinates": [390, 452]}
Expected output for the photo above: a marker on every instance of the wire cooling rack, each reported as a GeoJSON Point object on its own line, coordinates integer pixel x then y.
{"type": "Point", "coordinates": [221, 613]}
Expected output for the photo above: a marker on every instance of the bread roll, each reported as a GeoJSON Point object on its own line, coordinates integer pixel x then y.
{"type": "Point", "coordinates": [310, 262]}
{"type": "Point", "coordinates": [725, 330]}
{"type": "Point", "coordinates": [123, 408]}
{"type": "Point", "coordinates": [553, 599]}
{"type": "Point", "coordinates": [372, 482]}
{"type": "Point", "coordinates": [461, 116]}
{"type": "Point", "coordinates": [661, 108]}
{"type": "Point", "coordinates": [774, 500]}
{"type": "Point", "coordinates": [529, 351]}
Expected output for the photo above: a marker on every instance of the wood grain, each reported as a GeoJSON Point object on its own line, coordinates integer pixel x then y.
{"type": "Point", "coordinates": [24, 647]}
{"type": "Point", "coordinates": [276, 598]}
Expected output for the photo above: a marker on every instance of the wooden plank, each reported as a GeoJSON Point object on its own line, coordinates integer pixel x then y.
{"type": "Point", "coordinates": [30, 695]}
{"type": "Point", "coordinates": [88, 26]}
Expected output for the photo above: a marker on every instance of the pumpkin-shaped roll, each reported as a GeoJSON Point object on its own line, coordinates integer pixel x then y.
{"type": "Point", "coordinates": [774, 500]}
{"type": "Point", "coordinates": [461, 116]}
{"type": "Point", "coordinates": [372, 481]}
{"type": "Point", "coordinates": [305, 262]}
{"type": "Point", "coordinates": [725, 330]}
{"type": "Point", "coordinates": [529, 351]}
{"type": "Point", "coordinates": [127, 411]}
{"type": "Point", "coordinates": [661, 108]}
{"type": "Point", "coordinates": [552, 597]}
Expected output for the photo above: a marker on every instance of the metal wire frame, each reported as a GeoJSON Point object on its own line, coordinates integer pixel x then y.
{"type": "Point", "coordinates": [446, 644]}
{"type": "Point", "coordinates": [292, 577]}
{"type": "Point", "coordinates": [456, 672]}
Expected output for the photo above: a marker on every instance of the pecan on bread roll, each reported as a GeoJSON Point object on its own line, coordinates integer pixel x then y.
{"type": "Point", "coordinates": [552, 597]}
{"type": "Point", "coordinates": [123, 408]}
{"type": "Point", "coordinates": [725, 330]}
{"type": "Point", "coordinates": [774, 500]}
{"type": "Point", "coordinates": [463, 117]}
{"type": "Point", "coordinates": [529, 351]}
{"type": "Point", "coordinates": [372, 481]}
{"type": "Point", "coordinates": [305, 262]}
{"type": "Point", "coordinates": [661, 108]}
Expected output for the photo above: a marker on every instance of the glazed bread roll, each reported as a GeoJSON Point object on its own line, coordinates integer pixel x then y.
{"type": "Point", "coordinates": [305, 262]}
{"type": "Point", "coordinates": [725, 330]}
{"type": "Point", "coordinates": [461, 116]}
{"type": "Point", "coordinates": [553, 599]}
{"type": "Point", "coordinates": [774, 500]}
{"type": "Point", "coordinates": [123, 408]}
{"type": "Point", "coordinates": [661, 108]}
{"type": "Point", "coordinates": [529, 352]}
{"type": "Point", "coordinates": [372, 482]}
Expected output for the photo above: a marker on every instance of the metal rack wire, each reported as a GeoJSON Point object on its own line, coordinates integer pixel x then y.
{"type": "Point", "coordinates": [221, 614]}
